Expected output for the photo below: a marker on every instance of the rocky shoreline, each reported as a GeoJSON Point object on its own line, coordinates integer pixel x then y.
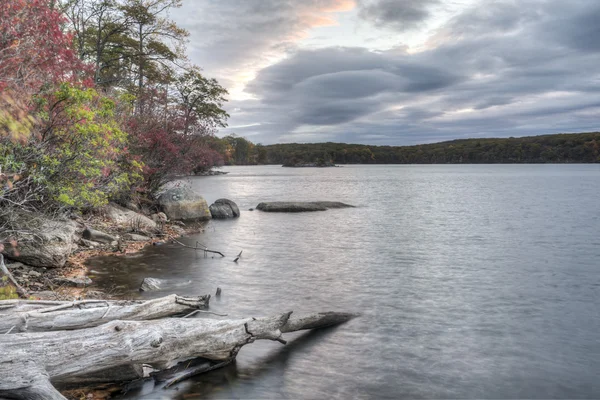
{"type": "Point", "coordinates": [51, 264]}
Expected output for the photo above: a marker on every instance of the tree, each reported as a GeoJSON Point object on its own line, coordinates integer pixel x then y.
{"type": "Point", "coordinates": [33, 48]}
{"type": "Point", "coordinates": [156, 42]}
{"type": "Point", "coordinates": [201, 101]}
{"type": "Point", "coordinates": [100, 28]}
{"type": "Point", "coordinates": [158, 140]}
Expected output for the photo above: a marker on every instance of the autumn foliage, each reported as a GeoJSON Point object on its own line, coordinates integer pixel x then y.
{"type": "Point", "coordinates": [94, 103]}
{"type": "Point", "coordinates": [34, 50]}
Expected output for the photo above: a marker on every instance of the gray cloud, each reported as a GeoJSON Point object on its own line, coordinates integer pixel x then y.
{"type": "Point", "coordinates": [401, 15]}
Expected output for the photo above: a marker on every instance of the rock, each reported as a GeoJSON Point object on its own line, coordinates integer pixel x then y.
{"type": "Point", "coordinates": [178, 230]}
{"type": "Point", "coordinates": [184, 204]}
{"type": "Point", "coordinates": [98, 236]}
{"type": "Point", "coordinates": [211, 173]}
{"type": "Point", "coordinates": [132, 206]}
{"type": "Point", "coordinates": [48, 244]}
{"type": "Point", "coordinates": [318, 164]}
{"type": "Point", "coordinates": [46, 295]}
{"type": "Point", "coordinates": [298, 206]}
{"type": "Point", "coordinates": [224, 208]}
{"type": "Point", "coordinates": [89, 243]}
{"type": "Point", "coordinates": [33, 273]}
{"type": "Point", "coordinates": [82, 281]}
{"type": "Point", "coordinates": [15, 265]}
{"type": "Point", "coordinates": [122, 216]}
{"type": "Point", "coordinates": [159, 217]}
{"type": "Point", "coordinates": [150, 284]}
{"type": "Point", "coordinates": [136, 238]}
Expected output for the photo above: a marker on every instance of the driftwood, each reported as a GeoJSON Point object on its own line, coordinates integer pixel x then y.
{"type": "Point", "coordinates": [21, 316]}
{"type": "Point", "coordinates": [31, 363]}
{"type": "Point", "coordinates": [199, 246]}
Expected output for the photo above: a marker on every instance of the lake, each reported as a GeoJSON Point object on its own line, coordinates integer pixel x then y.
{"type": "Point", "coordinates": [472, 281]}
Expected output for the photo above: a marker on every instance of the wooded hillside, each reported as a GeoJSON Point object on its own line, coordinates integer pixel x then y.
{"type": "Point", "coordinates": [559, 148]}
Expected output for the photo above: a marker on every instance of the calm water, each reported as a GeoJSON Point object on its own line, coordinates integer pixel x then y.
{"type": "Point", "coordinates": [472, 281]}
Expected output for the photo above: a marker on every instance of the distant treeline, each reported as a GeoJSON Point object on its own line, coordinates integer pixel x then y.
{"type": "Point", "coordinates": [558, 148]}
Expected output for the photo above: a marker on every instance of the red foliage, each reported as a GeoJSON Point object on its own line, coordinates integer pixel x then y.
{"type": "Point", "coordinates": [157, 138]}
{"type": "Point", "coordinates": [34, 50]}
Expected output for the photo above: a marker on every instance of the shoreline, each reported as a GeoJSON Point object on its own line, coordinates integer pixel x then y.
{"type": "Point", "coordinates": [71, 281]}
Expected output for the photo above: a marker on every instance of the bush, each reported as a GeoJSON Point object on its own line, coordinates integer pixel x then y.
{"type": "Point", "coordinates": [78, 155]}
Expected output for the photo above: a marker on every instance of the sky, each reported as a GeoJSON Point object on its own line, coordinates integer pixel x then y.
{"type": "Point", "coordinates": [399, 72]}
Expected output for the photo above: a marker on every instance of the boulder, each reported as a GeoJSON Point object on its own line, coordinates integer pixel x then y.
{"type": "Point", "coordinates": [97, 236]}
{"type": "Point", "coordinates": [224, 208]}
{"type": "Point", "coordinates": [43, 242]}
{"type": "Point", "coordinates": [131, 219]}
{"type": "Point", "coordinates": [300, 206]}
{"type": "Point", "coordinates": [184, 204]}
{"type": "Point", "coordinates": [150, 285]}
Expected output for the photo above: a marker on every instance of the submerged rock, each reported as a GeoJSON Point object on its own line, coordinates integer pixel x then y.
{"type": "Point", "coordinates": [150, 284]}
{"type": "Point", "coordinates": [300, 206]}
{"type": "Point", "coordinates": [184, 204]}
{"type": "Point", "coordinates": [224, 208]}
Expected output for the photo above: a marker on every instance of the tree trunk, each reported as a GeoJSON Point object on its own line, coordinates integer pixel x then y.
{"type": "Point", "coordinates": [29, 362]}
{"type": "Point", "coordinates": [22, 316]}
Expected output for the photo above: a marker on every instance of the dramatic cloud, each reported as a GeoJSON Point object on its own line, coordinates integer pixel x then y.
{"type": "Point", "coordinates": [232, 39]}
{"type": "Point", "coordinates": [507, 68]}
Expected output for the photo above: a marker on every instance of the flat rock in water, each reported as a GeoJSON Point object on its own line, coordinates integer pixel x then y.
{"type": "Point", "coordinates": [300, 206]}
{"type": "Point", "coordinates": [150, 284]}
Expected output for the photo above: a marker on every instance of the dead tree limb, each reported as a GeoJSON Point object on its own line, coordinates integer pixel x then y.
{"type": "Point", "coordinates": [86, 314]}
{"type": "Point", "coordinates": [20, 291]}
{"type": "Point", "coordinates": [29, 362]}
{"type": "Point", "coordinates": [199, 246]}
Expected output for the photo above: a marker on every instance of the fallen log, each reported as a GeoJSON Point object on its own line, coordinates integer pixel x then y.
{"type": "Point", "coordinates": [25, 316]}
{"type": "Point", "coordinates": [32, 363]}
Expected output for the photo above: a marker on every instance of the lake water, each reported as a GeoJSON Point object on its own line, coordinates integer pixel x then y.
{"type": "Point", "coordinates": [473, 281]}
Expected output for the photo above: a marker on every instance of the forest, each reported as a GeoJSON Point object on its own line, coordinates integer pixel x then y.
{"type": "Point", "coordinates": [557, 148]}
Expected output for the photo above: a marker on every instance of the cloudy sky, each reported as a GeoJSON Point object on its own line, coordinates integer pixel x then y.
{"type": "Point", "coordinates": [400, 72]}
